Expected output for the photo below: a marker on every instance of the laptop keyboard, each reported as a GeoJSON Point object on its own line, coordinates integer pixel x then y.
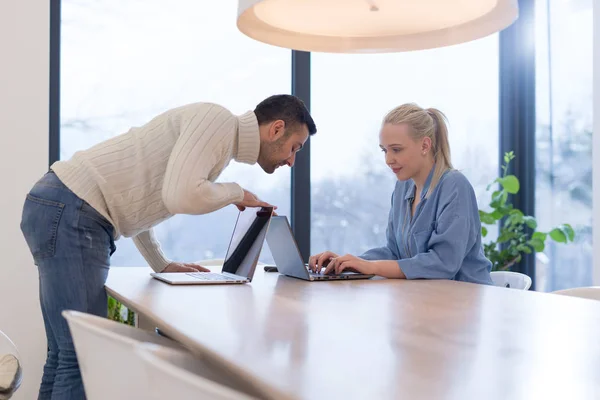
{"type": "Point", "coordinates": [209, 276]}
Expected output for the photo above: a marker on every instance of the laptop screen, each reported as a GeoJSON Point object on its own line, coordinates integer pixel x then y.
{"type": "Point", "coordinates": [284, 249]}
{"type": "Point", "coordinates": [247, 241]}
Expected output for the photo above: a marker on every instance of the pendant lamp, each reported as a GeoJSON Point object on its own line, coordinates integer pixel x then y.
{"type": "Point", "coordinates": [372, 26]}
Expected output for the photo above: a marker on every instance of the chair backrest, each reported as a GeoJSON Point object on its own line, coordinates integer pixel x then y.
{"type": "Point", "coordinates": [591, 292]}
{"type": "Point", "coordinates": [509, 279]}
{"type": "Point", "coordinates": [106, 355]}
{"type": "Point", "coordinates": [11, 372]}
{"type": "Point", "coordinates": [177, 374]}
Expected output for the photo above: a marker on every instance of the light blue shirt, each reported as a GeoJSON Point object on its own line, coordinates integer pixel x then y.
{"type": "Point", "coordinates": [443, 238]}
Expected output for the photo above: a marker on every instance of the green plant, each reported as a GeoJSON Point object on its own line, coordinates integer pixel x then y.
{"type": "Point", "coordinates": [118, 312]}
{"type": "Point", "coordinates": [514, 239]}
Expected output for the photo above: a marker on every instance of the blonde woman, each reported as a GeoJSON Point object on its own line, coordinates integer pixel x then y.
{"type": "Point", "coordinates": [434, 231]}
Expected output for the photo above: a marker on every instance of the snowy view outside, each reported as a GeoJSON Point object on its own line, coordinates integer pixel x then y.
{"type": "Point", "coordinates": [564, 48]}
{"type": "Point", "coordinates": [124, 62]}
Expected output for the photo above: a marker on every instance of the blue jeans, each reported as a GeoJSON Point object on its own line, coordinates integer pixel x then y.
{"type": "Point", "coordinates": [71, 244]}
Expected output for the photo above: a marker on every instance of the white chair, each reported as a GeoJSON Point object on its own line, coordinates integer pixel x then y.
{"type": "Point", "coordinates": [176, 374]}
{"type": "Point", "coordinates": [513, 280]}
{"type": "Point", "coordinates": [591, 292]}
{"type": "Point", "coordinates": [11, 372]}
{"type": "Point", "coordinates": [106, 355]}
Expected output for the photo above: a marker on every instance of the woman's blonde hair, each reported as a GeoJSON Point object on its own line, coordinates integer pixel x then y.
{"type": "Point", "coordinates": [431, 123]}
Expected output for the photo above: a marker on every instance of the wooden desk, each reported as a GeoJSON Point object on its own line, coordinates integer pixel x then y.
{"type": "Point", "coordinates": [382, 339]}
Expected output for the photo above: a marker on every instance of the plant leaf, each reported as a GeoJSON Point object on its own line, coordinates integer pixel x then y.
{"type": "Point", "coordinates": [499, 198]}
{"type": "Point", "coordinates": [508, 156]}
{"type": "Point", "coordinates": [484, 231]}
{"type": "Point", "coordinates": [510, 183]}
{"type": "Point", "coordinates": [497, 214]}
{"type": "Point", "coordinates": [505, 236]}
{"type": "Point", "coordinates": [524, 248]}
{"type": "Point", "coordinates": [486, 218]}
{"type": "Point", "coordinates": [568, 230]}
{"type": "Point", "coordinates": [539, 235]}
{"type": "Point", "coordinates": [537, 244]}
{"type": "Point", "coordinates": [558, 235]}
{"type": "Point", "coordinates": [516, 217]}
{"type": "Point", "coordinates": [531, 222]}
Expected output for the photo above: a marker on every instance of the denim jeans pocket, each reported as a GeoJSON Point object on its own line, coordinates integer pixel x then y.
{"type": "Point", "coordinates": [39, 224]}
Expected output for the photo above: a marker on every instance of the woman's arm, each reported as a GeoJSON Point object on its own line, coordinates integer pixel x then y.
{"type": "Point", "coordinates": [385, 268]}
{"type": "Point", "coordinates": [447, 249]}
{"type": "Point", "coordinates": [455, 234]}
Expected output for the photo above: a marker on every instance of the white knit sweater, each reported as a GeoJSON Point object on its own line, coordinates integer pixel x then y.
{"type": "Point", "coordinates": [167, 166]}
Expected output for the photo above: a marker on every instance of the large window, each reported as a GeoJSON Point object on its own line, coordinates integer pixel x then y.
{"type": "Point", "coordinates": [350, 95]}
{"type": "Point", "coordinates": [123, 63]}
{"type": "Point", "coordinates": [564, 41]}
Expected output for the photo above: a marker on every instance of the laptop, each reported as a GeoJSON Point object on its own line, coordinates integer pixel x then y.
{"type": "Point", "coordinates": [242, 256]}
{"type": "Point", "coordinates": [288, 259]}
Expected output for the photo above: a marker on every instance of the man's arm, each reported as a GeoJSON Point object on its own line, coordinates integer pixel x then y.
{"type": "Point", "coordinates": [150, 249]}
{"type": "Point", "coordinates": [204, 139]}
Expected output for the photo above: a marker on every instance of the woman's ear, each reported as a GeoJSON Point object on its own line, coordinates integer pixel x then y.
{"type": "Point", "coordinates": [426, 146]}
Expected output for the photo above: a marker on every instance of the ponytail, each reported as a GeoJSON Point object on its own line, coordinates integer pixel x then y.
{"type": "Point", "coordinates": [441, 147]}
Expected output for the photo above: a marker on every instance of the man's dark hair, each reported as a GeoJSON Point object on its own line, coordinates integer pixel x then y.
{"type": "Point", "coordinates": [287, 108]}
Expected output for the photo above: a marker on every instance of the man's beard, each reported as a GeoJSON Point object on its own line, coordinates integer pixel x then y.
{"type": "Point", "coordinates": [270, 165]}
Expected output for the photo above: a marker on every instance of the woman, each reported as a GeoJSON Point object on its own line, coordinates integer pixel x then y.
{"type": "Point", "coordinates": [434, 231]}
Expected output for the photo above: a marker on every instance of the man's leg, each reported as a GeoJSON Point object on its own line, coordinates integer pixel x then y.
{"type": "Point", "coordinates": [72, 251]}
{"type": "Point", "coordinates": [60, 292]}
{"type": "Point", "coordinates": [88, 264]}
{"type": "Point", "coordinates": [44, 213]}
{"type": "Point", "coordinates": [47, 384]}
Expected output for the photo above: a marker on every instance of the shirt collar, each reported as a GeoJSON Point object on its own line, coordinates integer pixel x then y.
{"type": "Point", "coordinates": [247, 145]}
{"type": "Point", "coordinates": [410, 192]}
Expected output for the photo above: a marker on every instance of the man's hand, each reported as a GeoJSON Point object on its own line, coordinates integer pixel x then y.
{"type": "Point", "coordinates": [250, 200]}
{"type": "Point", "coordinates": [185, 267]}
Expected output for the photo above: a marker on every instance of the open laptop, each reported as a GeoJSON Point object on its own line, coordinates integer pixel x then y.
{"type": "Point", "coordinates": [240, 262]}
{"type": "Point", "coordinates": [288, 259]}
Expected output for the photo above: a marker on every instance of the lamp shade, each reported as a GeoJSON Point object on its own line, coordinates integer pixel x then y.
{"type": "Point", "coordinates": [372, 26]}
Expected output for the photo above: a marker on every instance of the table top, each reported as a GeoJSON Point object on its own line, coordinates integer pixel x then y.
{"type": "Point", "coordinates": [379, 338]}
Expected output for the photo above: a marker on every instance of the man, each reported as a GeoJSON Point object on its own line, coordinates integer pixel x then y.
{"type": "Point", "coordinates": [130, 183]}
